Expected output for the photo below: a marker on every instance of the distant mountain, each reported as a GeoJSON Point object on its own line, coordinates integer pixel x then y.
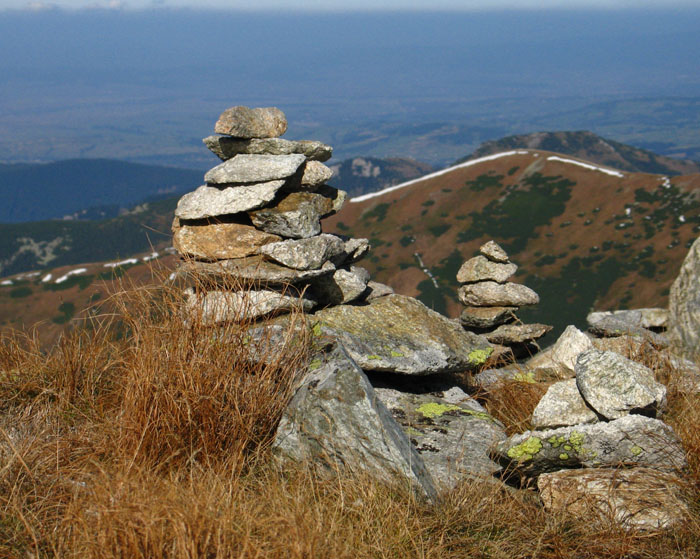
{"type": "Point", "coordinates": [591, 147]}
{"type": "Point", "coordinates": [360, 175]}
{"type": "Point", "coordinates": [35, 192]}
{"type": "Point", "coordinates": [585, 236]}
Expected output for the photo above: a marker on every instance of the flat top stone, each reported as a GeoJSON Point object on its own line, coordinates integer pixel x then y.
{"type": "Point", "coordinates": [517, 333]}
{"type": "Point", "coordinates": [246, 168]}
{"type": "Point", "coordinates": [244, 122]}
{"type": "Point", "coordinates": [400, 334]}
{"type": "Point", "coordinates": [493, 251]}
{"type": "Point", "coordinates": [225, 147]}
{"type": "Point", "coordinates": [481, 268]}
{"type": "Point", "coordinates": [493, 294]}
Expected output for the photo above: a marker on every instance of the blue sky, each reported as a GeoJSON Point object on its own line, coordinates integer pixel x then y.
{"type": "Point", "coordinates": [344, 5]}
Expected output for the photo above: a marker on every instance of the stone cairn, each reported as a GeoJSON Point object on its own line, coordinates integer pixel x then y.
{"type": "Point", "coordinates": [252, 234]}
{"type": "Point", "coordinates": [491, 302]}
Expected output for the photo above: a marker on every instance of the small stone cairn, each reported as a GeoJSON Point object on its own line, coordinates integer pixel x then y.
{"type": "Point", "coordinates": [491, 300]}
{"type": "Point", "coordinates": [252, 234]}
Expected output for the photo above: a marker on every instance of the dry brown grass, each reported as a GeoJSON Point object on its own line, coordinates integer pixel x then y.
{"type": "Point", "coordinates": [139, 437]}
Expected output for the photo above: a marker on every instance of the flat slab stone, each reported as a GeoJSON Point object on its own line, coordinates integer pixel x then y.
{"type": "Point", "coordinates": [376, 290]}
{"type": "Point", "coordinates": [562, 355]}
{"type": "Point", "coordinates": [684, 305]}
{"type": "Point", "coordinates": [252, 269]}
{"type": "Point", "coordinates": [636, 499]}
{"type": "Point", "coordinates": [304, 254]}
{"type": "Point", "coordinates": [481, 268]}
{"type": "Point", "coordinates": [226, 147]}
{"type": "Point", "coordinates": [244, 122]}
{"type": "Point", "coordinates": [642, 318]}
{"type": "Point", "coordinates": [610, 326]}
{"type": "Point", "coordinates": [355, 249]}
{"type": "Point", "coordinates": [453, 438]}
{"type": "Point", "coordinates": [209, 201]}
{"type": "Point", "coordinates": [562, 406]}
{"type": "Point", "coordinates": [615, 386]}
{"type": "Point", "coordinates": [315, 174]}
{"type": "Point", "coordinates": [486, 317]}
{"type": "Point", "coordinates": [246, 169]}
{"type": "Point", "coordinates": [221, 307]}
{"type": "Point", "coordinates": [400, 334]}
{"type": "Point", "coordinates": [493, 251]}
{"type": "Point", "coordinates": [213, 240]}
{"type": "Point", "coordinates": [493, 294]}
{"type": "Point", "coordinates": [336, 422]}
{"type": "Point", "coordinates": [510, 334]}
{"type": "Point", "coordinates": [633, 440]}
{"type": "Point", "coordinates": [343, 286]}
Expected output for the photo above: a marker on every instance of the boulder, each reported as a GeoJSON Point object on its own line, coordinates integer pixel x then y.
{"type": "Point", "coordinates": [315, 174]}
{"type": "Point", "coordinates": [481, 268]}
{"type": "Point", "coordinates": [684, 305]}
{"type": "Point", "coordinates": [453, 438]}
{"type": "Point", "coordinates": [615, 386]}
{"type": "Point", "coordinates": [220, 307]}
{"type": "Point", "coordinates": [642, 318]}
{"type": "Point", "coordinates": [562, 355]}
{"type": "Point", "coordinates": [209, 201]}
{"type": "Point", "coordinates": [636, 499]}
{"type": "Point", "coordinates": [304, 254]}
{"type": "Point", "coordinates": [611, 326]}
{"type": "Point", "coordinates": [493, 251]}
{"type": "Point", "coordinates": [562, 406]}
{"type": "Point", "coordinates": [343, 286]}
{"type": "Point", "coordinates": [298, 215]}
{"type": "Point", "coordinates": [493, 294]}
{"type": "Point", "coordinates": [629, 441]}
{"type": "Point", "coordinates": [244, 271]}
{"type": "Point", "coordinates": [486, 317]}
{"type": "Point", "coordinates": [245, 169]}
{"type": "Point", "coordinates": [376, 290]}
{"type": "Point", "coordinates": [335, 421]}
{"type": "Point", "coordinates": [400, 334]}
{"type": "Point", "coordinates": [226, 147]}
{"type": "Point", "coordinates": [244, 122]}
{"type": "Point", "coordinates": [510, 334]}
{"type": "Point", "coordinates": [215, 240]}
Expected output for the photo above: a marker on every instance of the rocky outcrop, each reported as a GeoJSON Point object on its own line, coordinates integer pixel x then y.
{"type": "Point", "coordinates": [684, 305]}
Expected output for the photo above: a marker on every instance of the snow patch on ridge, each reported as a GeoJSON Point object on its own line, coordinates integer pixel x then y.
{"type": "Point", "coordinates": [65, 276]}
{"type": "Point", "coordinates": [586, 166]}
{"type": "Point", "coordinates": [439, 173]}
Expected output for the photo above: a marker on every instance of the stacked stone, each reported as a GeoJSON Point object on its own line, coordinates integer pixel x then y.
{"type": "Point", "coordinates": [491, 300]}
{"type": "Point", "coordinates": [252, 234]}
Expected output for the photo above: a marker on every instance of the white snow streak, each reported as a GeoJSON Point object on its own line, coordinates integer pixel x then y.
{"type": "Point", "coordinates": [46, 278]}
{"type": "Point", "coordinates": [150, 257]}
{"type": "Point", "coordinates": [65, 276]}
{"type": "Point", "coordinates": [586, 166]}
{"type": "Point", "coordinates": [122, 263]}
{"type": "Point", "coordinates": [438, 173]}
{"type": "Point", "coordinates": [7, 282]}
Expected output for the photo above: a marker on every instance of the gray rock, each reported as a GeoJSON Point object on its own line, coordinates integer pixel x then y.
{"type": "Point", "coordinates": [304, 254]}
{"type": "Point", "coordinates": [244, 122]}
{"type": "Point", "coordinates": [562, 355]}
{"type": "Point", "coordinates": [489, 378]}
{"type": "Point", "coordinates": [493, 251]}
{"type": "Point", "coordinates": [635, 499]}
{"type": "Point", "coordinates": [509, 334]}
{"type": "Point", "coordinates": [481, 268]}
{"type": "Point", "coordinates": [245, 169]}
{"type": "Point", "coordinates": [492, 294]}
{"type": "Point", "coordinates": [220, 307]}
{"type": "Point", "coordinates": [335, 421]}
{"type": "Point", "coordinates": [355, 249]}
{"type": "Point", "coordinates": [226, 147]}
{"type": "Point", "coordinates": [486, 317]}
{"type": "Point", "coordinates": [642, 318]}
{"type": "Point", "coordinates": [400, 334]}
{"type": "Point", "coordinates": [315, 174]}
{"type": "Point", "coordinates": [610, 326]}
{"type": "Point", "coordinates": [615, 386]}
{"type": "Point", "coordinates": [344, 286]}
{"type": "Point", "coordinates": [452, 438]}
{"type": "Point", "coordinates": [629, 441]}
{"type": "Point", "coordinates": [562, 406]}
{"type": "Point", "coordinates": [214, 240]}
{"type": "Point", "coordinates": [684, 305]}
{"type": "Point", "coordinates": [209, 201]}
{"type": "Point", "coordinates": [297, 215]}
{"type": "Point", "coordinates": [242, 271]}
{"type": "Point", "coordinates": [376, 290]}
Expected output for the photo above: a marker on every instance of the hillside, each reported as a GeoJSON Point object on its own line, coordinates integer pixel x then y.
{"type": "Point", "coordinates": [36, 192]}
{"type": "Point", "coordinates": [591, 147]}
{"type": "Point", "coordinates": [584, 236]}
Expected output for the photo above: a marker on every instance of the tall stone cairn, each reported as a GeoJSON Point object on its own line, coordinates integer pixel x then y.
{"type": "Point", "coordinates": [491, 300]}
{"type": "Point", "coordinates": [251, 235]}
